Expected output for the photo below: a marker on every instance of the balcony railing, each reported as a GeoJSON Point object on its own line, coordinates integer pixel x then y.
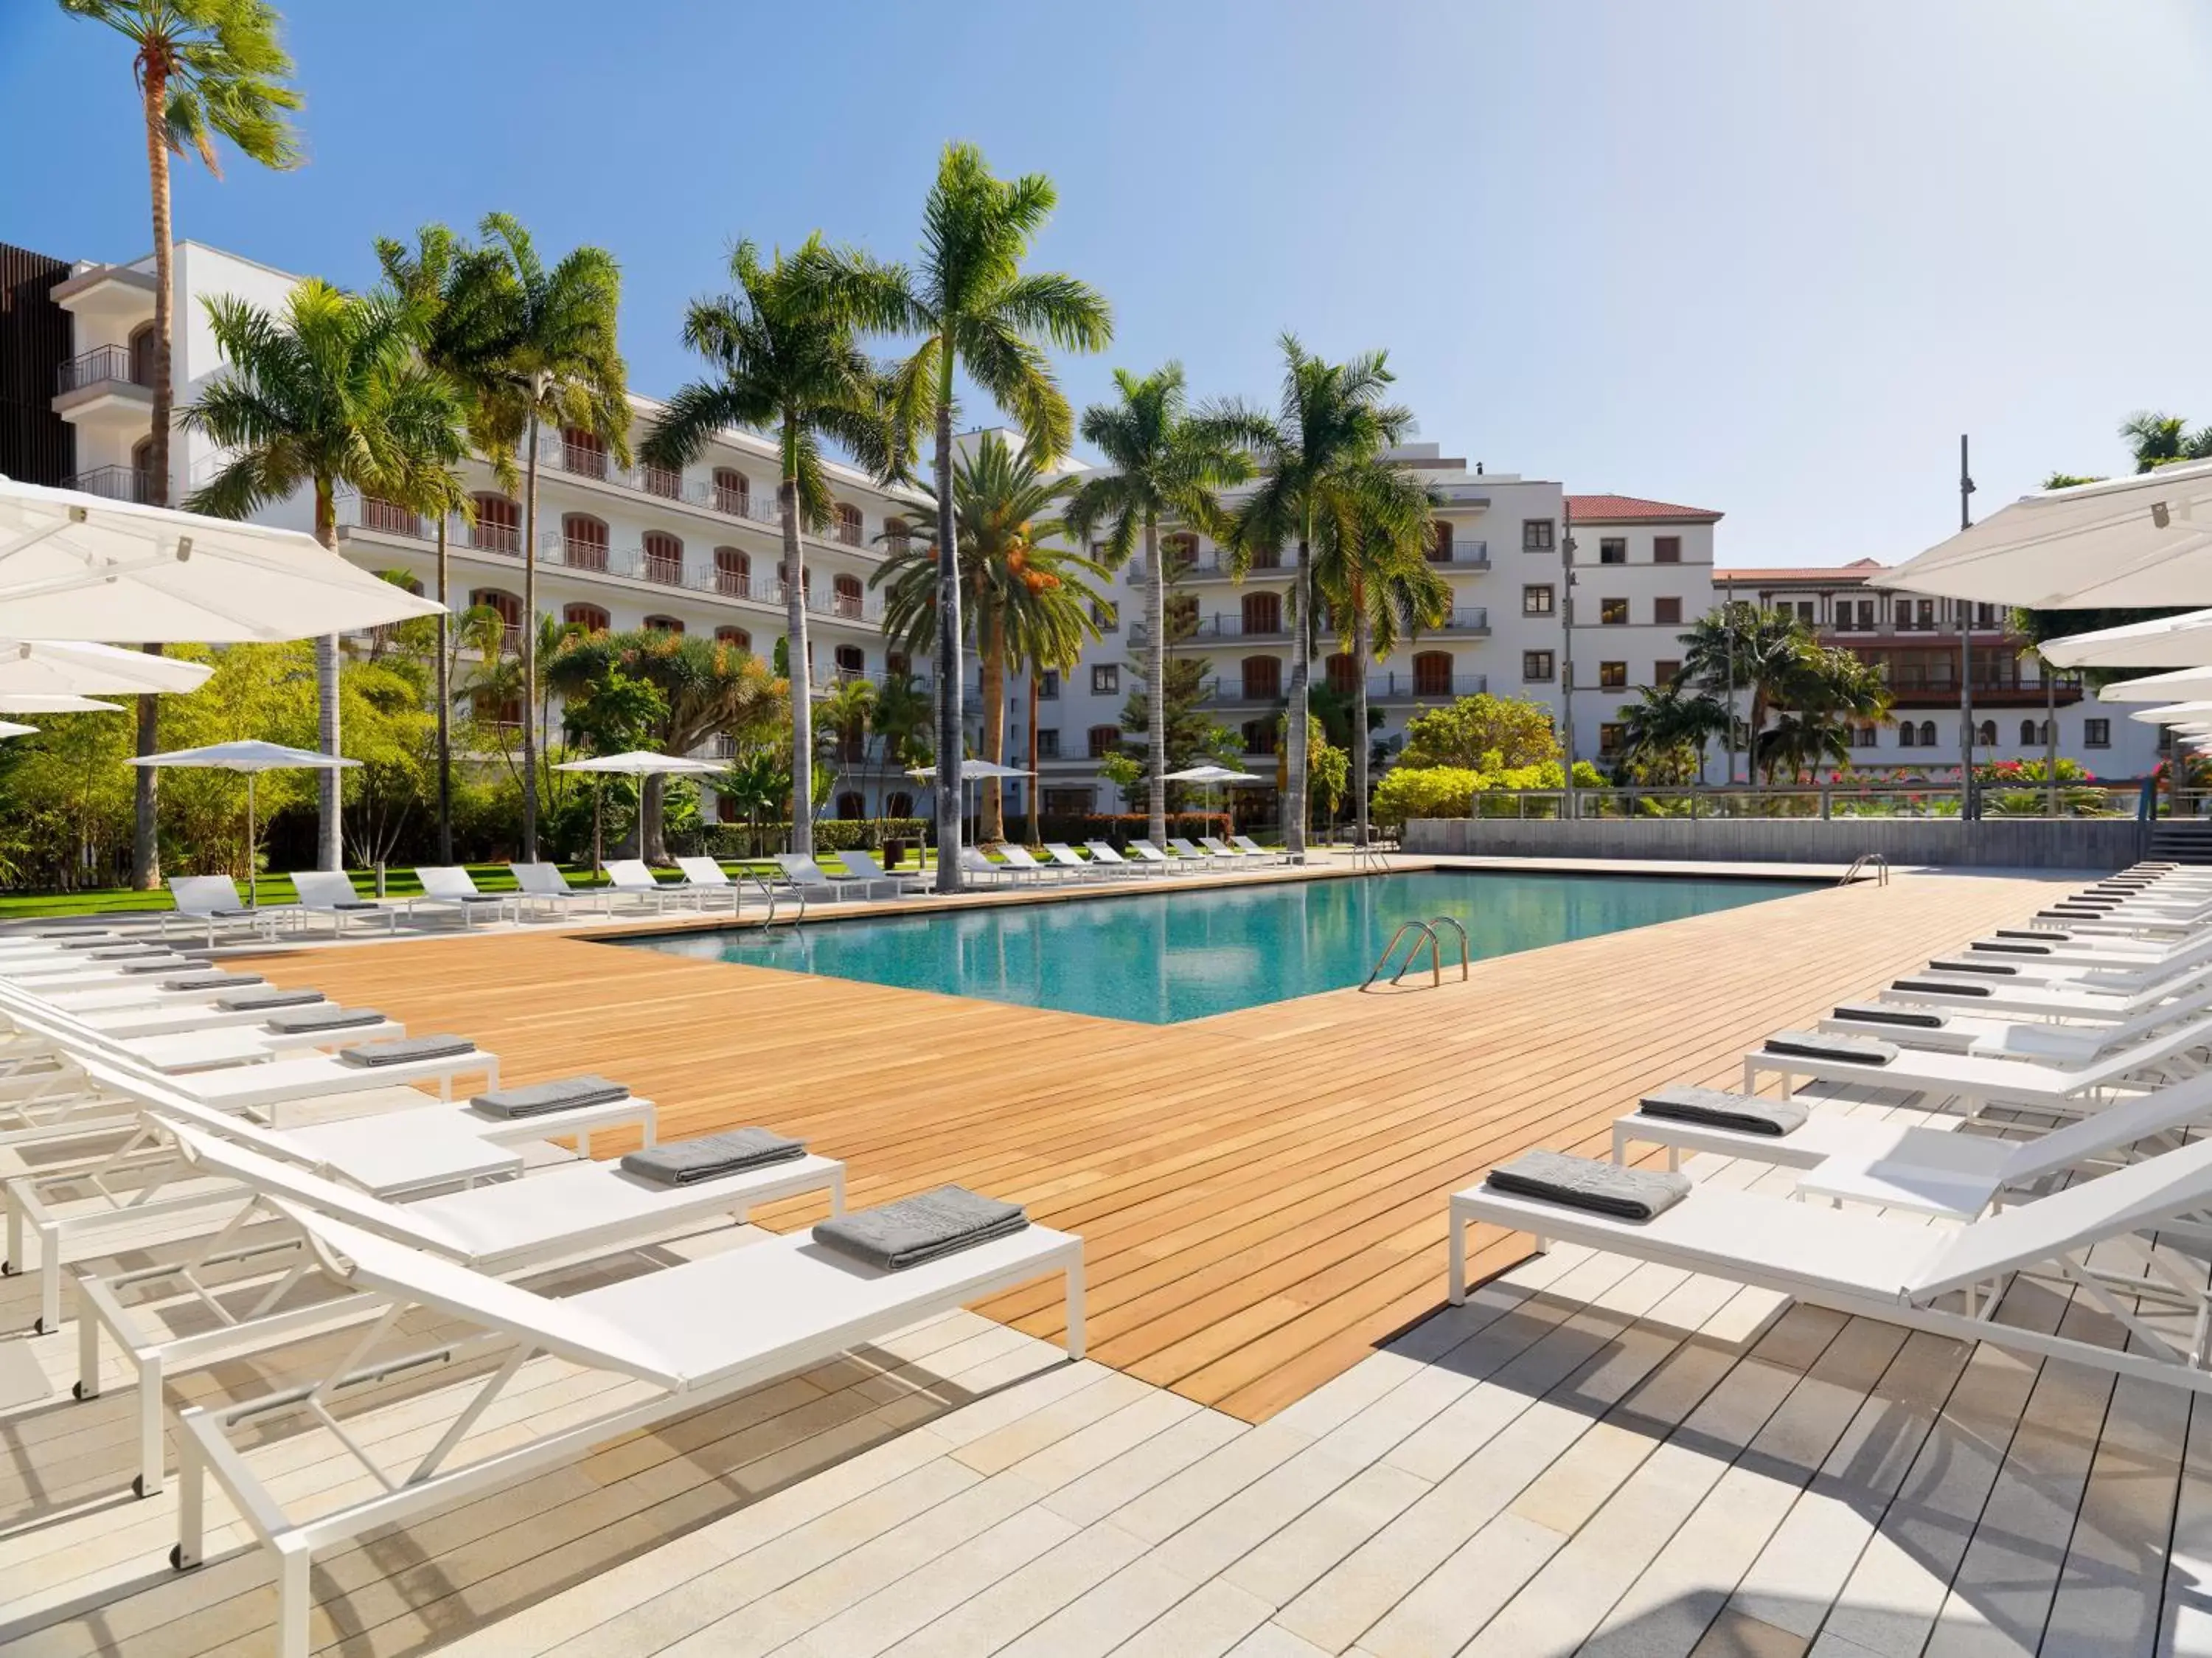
{"type": "Point", "coordinates": [494, 537]}
{"type": "Point", "coordinates": [114, 484]}
{"type": "Point", "coordinates": [112, 365]}
{"type": "Point", "coordinates": [849, 532]}
{"type": "Point", "coordinates": [386, 519]}
{"type": "Point", "coordinates": [1463, 555]}
{"type": "Point", "coordinates": [1476, 620]}
{"type": "Point", "coordinates": [1389, 687]}
{"type": "Point", "coordinates": [659, 567]}
{"type": "Point", "coordinates": [581, 460]}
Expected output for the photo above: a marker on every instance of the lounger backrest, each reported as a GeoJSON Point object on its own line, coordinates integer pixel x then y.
{"type": "Point", "coordinates": [1213, 844]}
{"type": "Point", "coordinates": [446, 880]}
{"type": "Point", "coordinates": [540, 879]}
{"type": "Point", "coordinates": [1063, 853]}
{"type": "Point", "coordinates": [971, 858]}
{"type": "Point", "coordinates": [1019, 856]}
{"type": "Point", "coordinates": [800, 870]}
{"type": "Point", "coordinates": [201, 895]}
{"type": "Point", "coordinates": [274, 1178]}
{"type": "Point", "coordinates": [863, 864]}
{"type": "Point", "coordinates": [1102, 853]}
{"type": "Point", "coordinates": [171, 1107]}
{"type": "Point", "coordinates": [632, 875]}
{"type": "Point", "coordinates": [1146, 850]}
{"type": "Point", "coordinates": [2117, 1063]}
{"type": "Point", "coordinates": [323, 889]}
{"type": "Point", "coordinates": [560, 1327]}
{"type": "Point", "coordinates": [702, 872]}
{"type": "Point", "coordinates": [1182, 848]}
{"type": "Point", "coordinates": [1248, 844]}
{"type": "Point", "coordinates": [2110, 1129]}
{"type": "Point", "coordinates": [2126, 1200]}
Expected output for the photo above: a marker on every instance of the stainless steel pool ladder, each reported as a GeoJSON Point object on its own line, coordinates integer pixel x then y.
{"type": "Point", "coordinates": [768, 892]}
{"type": "Point", "coordinates": [1370, 856]}
{"type": "Point", "coordinates": [1422, 931]}
{"type": "Point", "coordinates": [1880, 866]}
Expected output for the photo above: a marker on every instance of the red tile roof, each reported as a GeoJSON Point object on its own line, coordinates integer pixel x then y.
{"type": "Point", "coordinates": [1858, 570]}
{"type": "Point", "coordinates": [1629, 508]}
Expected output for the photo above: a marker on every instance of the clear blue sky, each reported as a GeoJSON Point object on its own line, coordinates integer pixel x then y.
{"type": "Point", "coordinates": [1766, 257]}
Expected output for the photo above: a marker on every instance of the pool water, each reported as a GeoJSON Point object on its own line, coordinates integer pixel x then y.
{"type": "Point", "coordinates": [1159, 956]}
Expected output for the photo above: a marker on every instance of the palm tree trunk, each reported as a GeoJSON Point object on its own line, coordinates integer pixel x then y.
{"type": "Point", "coordinates": [1156, 704]}
{"type": "Point", "coordinates": [802, 669]}
{"type": "Point", "coordinates": [529, 698]}
{"type": "Point", "coordinates": [1294, 739]}
{"type": "Point", "coordinates": [329, 840]}
{"type": "Point", "coordinates": [652, 819]}
{"type": "Point", "coordinates": [445, 709]}
{"type": "Point", "coordinates": [994, 824]}
{"type": "Point", "coordinates": [1359, 744]}
{"type": "Point", "coordinates": [145, 841]}
{"type": "Point", "coordinates": [1035, 783]}
{"type": "Point", "coordinates": [948, 644]}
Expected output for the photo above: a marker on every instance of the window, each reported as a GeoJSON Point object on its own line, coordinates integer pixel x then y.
{"type": "Point", "coordinates": [490, 709]}
{"type": "Point", "coordinates": [1537, 535]}
{"type": "Point", "coordinates": [582, 453]}
{"type": "Point", "coordinates": [142, 354]}
{"type": "Point", "coordinates": [1613, 676]}
{"type": "Point", "coordinates": [1985, 615]}
{"type": "Point", "coordinates": [736, 637]}
{"type": "Point", "coordinates": [583, 542]}
{"type": "Point", "coordinates": [1610, 736]}
{"type": "Point", "coordinates": [1927, 618]}
{"type": "Point", "coordinates": [806, 579]}
{"type": "Point", "coordinates": [897, 536]}
{"type": "Point", "coordinates": [1865, 736]}
{"type": "Point", "coordinates": [1342, 673]}
{"type": "Point", "coordinates": [1666, 549]}
{"type": "Point", "coordinates": [1065, 802]}
{"type": "Point", "coordinates": [498, 526]}
{"type": "Point", "coordinates": [1613, 613]}
{"type": "Point", "coordinates": [1107, 615]}
{"type": "Point", "coordinates": [1665, 672]}
{"type": "Point", "coordinates": [2034, 733]}
{"type": "Point", "coordinates": [1263, 679]}
{"type": "Point", "coordinates": [1178, 552]}
{"type": "Point", "coordinates": [1536, 665]}
{"type": "Point", "coordinates": [896, 665]}
{"type": "Point", "coordinates": [1905, 736]}
{"type": "Point", "coordinates": [664, 558]}
{"type": "Point", "coordinates": [2096, 733]}
{"type": "Point", "coordinates": [665, 482]}
{"type": "Point", "coordinates": [1103, 740]}
{"type": "Point", "coordinates": [734, 492]}
{"type": "Point", "coordinates": [848, 525]}
{"type": "Point", "coordinates": [1536, 601]}
{"type": "Point", "coordinates": [1440, 542]}
{"type": "Point", "coordinates": [900, 804]}
{"type": "Point", "coordinates": [1432, 674]}
{"type": "Point", "coordinates": [845, 597]}
{"type": "Point", "coordinates": [1260, 736]}
{"type": "Point", "coordinates": [663, 624]}
{"type": "Point", "coordinates": [1928, 734]}
{"type": "Point", "coordinates": [733, 572]}
{"type": "Point", "coordinates": [1668, 613]}
{"type": "Point", "coordinates": [851, 663]}
{"type": "Point", "coordinates": [1048, 742]}
{"type": "Point", "coordinates": [1613, 549]}
{"type": "Point", "coordinates": [590, 618]}
{"type": "Point", "coordinates": [1866, 615]}
{"type": "Point", "coordinates": [510, 610]}
{"type": "Point", "coordinates": [1262, 613]}
{"type": "Point", "coordinates": [1105, 679]}
{"type": "Point", "coordinates": [849, 805]}
{"type": "Point", "coordinates": [1985, 735]}
{"type": "Point", "coordinates": [1048, 686]}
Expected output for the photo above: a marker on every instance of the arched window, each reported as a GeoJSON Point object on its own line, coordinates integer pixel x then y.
{"type": "Point", "coordinates": [142, 354]}
{"type": "Point", "coordinates": [1432, 674]}
{"type": "Point", "coordinates": [142, 469]}
{"type": "Point", "coordinates": [498, 526]}
{"type": "Point", "coordinates": [663, 624]}
{"type": "Point", "coordinates": [1928, 734]}
{"type": "Point", "coordinates": [1986, 733]}
{"type": "Point", "coordinates": [1342, 673]}
{"type": "Point", "coordinates": [845, 596]}
{"type": "Point", "coordinates": [736, 637]}
{"type": "Point", "coordinates": [1905, 736]}
{"type": "Point", "coordinates": [590, 618]}
{"type": "Point", "coordinates": [665, 482]}
{"type": "Point", "coordinates": [733, 572]}
{"type": "Point", "coordinates": [734, 492]}
{"type": "Point", "coordinates": [1263, 679]}
{"type": "Point", "coordinates": [851, 664]}
{"type": "Point", "coordinates": [583, 541]}
{"type": "Point", "coordinates": [1259, 736]}
{"type": "Point", "coordinates": [900, 805]}
{"type": "Point", "coordinates": [1178, 551]}
{"type": "Point", "coordinates": [849, 805]}
{"type": "Point", "coordinates": [1263, 614]}
{"type": "Point", "coordinates": [897, 665]}
{"type": "Point", "coordinates": [582, 453]}
{"type": "Point", "coordinates": [490, 710]}
{"type": "Point", "coordinates": [664, 558]}
{"type": "Point", "coordinates": [1440, 542]}
{"type": "Point", "coordinates": [510, 610]}
{"type": "Point", "coordinates": [2029, 736]}
{"type": "Point", "coordinates": [783, 580]}
{"type": "Point", "coordinates": [848, 525]}
{"type": "Point", "coordinates": [1104, 739]}
{"type": "Point", "coordinates": [897, 538]}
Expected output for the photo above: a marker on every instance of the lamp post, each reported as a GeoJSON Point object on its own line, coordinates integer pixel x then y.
{"type": "Point", "coordinates": [1567, 641]}
{"type": "Point", "coordinates": [1965, 655]}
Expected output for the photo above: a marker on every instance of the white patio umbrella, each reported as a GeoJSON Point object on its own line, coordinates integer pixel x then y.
{"type": "Point", "coordinates": [77, 667]}
{"type": "Point", "coordinates": [632, 763]}
{"type": "Point", "coordinates": [2184, 714]}
{"type": "Point", "coordinates": [1217, 776]}
{"type": "Point", "coordinates": [2182, 684]}
{"type": "Point", "coordinates": [971, 770]}
{"type": "Point", "coordinates": [2141, 540]}
{"type": "Point", "coordinates": [52, 701]}
{"type": "Point", "coordinates": [9, 728]}
{"type": "Point", "coordinates": [251, 757]}
{"type": "Point", "coordinates": [2183, 641]}
{"type": "Point", "coordinates": [73, 564]}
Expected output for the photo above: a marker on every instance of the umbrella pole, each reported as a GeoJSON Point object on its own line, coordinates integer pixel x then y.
{"type": "Point", "coordinates": [252, 864]}
{"type": "Point", "coordinates": [599, 796]}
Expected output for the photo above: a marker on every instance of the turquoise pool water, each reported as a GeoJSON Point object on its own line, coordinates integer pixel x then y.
{"type": "Point", "coordinates": [1160, 956]}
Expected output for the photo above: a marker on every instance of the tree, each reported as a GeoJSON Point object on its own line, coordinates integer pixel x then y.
{"type": "Point", "coordinates": [1162, 462]}
{"type": "Point", "coordinates": [783, 345]}
{"type": "Point", "coordinates": [1031, 603]}
{"type": "Point", "coordinates": [457, 293]}
{"type": "Point", "coordinates": [1824, 691]}
{"type": "Point", "coordinates": [708, 689]}
{"type": "Point", "coordinates": [1314, 452]}
{"type": "Point", "coordinates": [555, 360]}
{"type": "Point", "coordinates": [328, 394]}
{"type": "Point", "coordinates": [204, 69]}
{"type": "Point", "coordinates": [846, 716]}
{"type": "Point", "coordinates": [975, 308]}
{"type": "Point", "coordinates": [1669, 728]}
{"type": "Point", "coordinates": [2159, 440]}
{"type": "Point", "coordinates": [1738, 649]}
{"type": "Point", "coordinates": [1189, 735]}
{"type": "Point", "coordinates": [1481, 733]}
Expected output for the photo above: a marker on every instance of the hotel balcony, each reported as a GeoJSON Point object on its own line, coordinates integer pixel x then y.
{"type": "Point", "coordinates": [114, 484]}
{"type": "Point", "coordinates": [1990, 690]}
{"type": "Point", "coordinates": [108, 386]}
{"type": "Point", "coordinates": [1461, 555]}
{"type": "Point", "coordinates": [1470, 623]}
{"type": "Point", "coordinates": [1221, 690]}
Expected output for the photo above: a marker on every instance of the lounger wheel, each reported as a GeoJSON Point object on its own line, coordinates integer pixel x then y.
{"type": "Point", "coordinates": [7, 1269]}
{"type": "Point", "coordinates": [76, 1390]}
{"type": "Point", "coordinates": [177, 1557]}
{"type": "Point", "coordinates": [39, 1325]}
{"type": "Point", "coordinates": [139, 1489]}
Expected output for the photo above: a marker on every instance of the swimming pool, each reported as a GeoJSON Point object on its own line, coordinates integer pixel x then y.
{"type": "Point", "coordinates": [1161, 956]}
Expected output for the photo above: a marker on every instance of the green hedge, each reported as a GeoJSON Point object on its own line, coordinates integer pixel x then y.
{"type": "Point", "coordinates": [737, 840]}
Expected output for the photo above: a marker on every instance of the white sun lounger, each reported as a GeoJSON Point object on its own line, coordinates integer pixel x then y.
{"type": "Point", "coordinates": [1858, 1263]}
{"type": "Point", "coordinates": [810, 878]}
{"type": "Point", "coordinates": [1222, 849]}
{"type": "Point", "coordinates": [449, 887]}
{"type": "Point", "coordinates": [577, 1211]}
{"type": "Point", "coordinates": [1018, 859]}
{"type": "Point", "coordinates": [1183, 849]}
{"type": "Point", "coordinates": [2073, 1043]}
{"type": "Point", "coordinates": [793, 1303]}
{"type": "Point", "coordinates": [632, 878]}
{"type": "Point", "coordinates": [1078, 867]}
{"type": "Point", "coordinates": [1251, 847]}
{"type": "Point", "coordinates": [2036, 998]}
{"type": "Point", "coordinates": [329, 893]}
{"type": "Point", "coordinates": [1147, 853]}
{"type": "Point", "coordinates": [1103, 853]}
{"type": "Point", "coordinates": [973, 862]}
{"type": "Point", "coordinates": [863, 865]}
{"type": "Point", "coordinates": [211, 905]}
{"type": "Point", "coordinates": [543, 885]}
{"type": "Point", "coordinates": [706, 880]}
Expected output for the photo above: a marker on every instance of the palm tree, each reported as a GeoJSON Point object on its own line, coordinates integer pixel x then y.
{"type": "Point", "coordinates": [783, 344]}
{"type": "Point", "coordinates": [556, 361]}
{"type": "Point", "coordinates": [459, 293]}
{"type": "Point", "coordinates": [1162, 462]}
{"type": "Point", "coordinates": [327, 394]}
{"type": "Point", "coordinates": [204, 69]}
{"type": "Point", "coordinates": [1826, 692]}
{"type": "Point", "coordinates": [1330, 424]}
{"type": "Point", "coordinates": [1668, 720]}
{"type": "Point", "coordinates": [900, 722]}
{"type": "Point", "coordinates": [975, 308]}
{"type": "Point", "coordinates": [1739, 649]}
{"type": "Point", "coordinates": [846, 716]}
{"type": "Point", "coordinates": [2159, 440]}
{"type": "Point", "coordinates": [1371, 570]}
{"type": "Point", "coordinates": [1031, 603]}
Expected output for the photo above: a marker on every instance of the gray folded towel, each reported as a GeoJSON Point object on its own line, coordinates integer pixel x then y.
{"type": "Point", "coordinates": [687, 1162]}
{"type": "Point", "coordinates": [920, 1228]}
{"type": "Point", "coordinates": [1627, 1194]}
{"type": "Point", "coordinates": [130, 952]}
{"type": "Point", "coordinates": [214, 978]}
{"type": "Point", "coordinates": [325, 1016]}
{"type": "Point", "coordinates": [1842, 1050]}
{"type": "Point", "coordinates": [73, 939]}
{"type": "Point", "coordinates": [1746, 1113]}
{"type": "Point", "coordinates": [158, 963]}
{"type": "Point", "coordinates": [406, 1050]}
{"type": "Point", "coordinates": [535, 1100]}
{"type": "Point", "coordinates": [266, 995]}
{"type": "Point", "coordinates": [1955, 966]}
{"type": "Point", "coordinates": [2008, 947]}
{"type": "Point", "coordinates": [1883, 1013]}
{"type": "Point", "coordinates": [2039, 935]}
{"type": "Point", "coordinates": [1941, 987]}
